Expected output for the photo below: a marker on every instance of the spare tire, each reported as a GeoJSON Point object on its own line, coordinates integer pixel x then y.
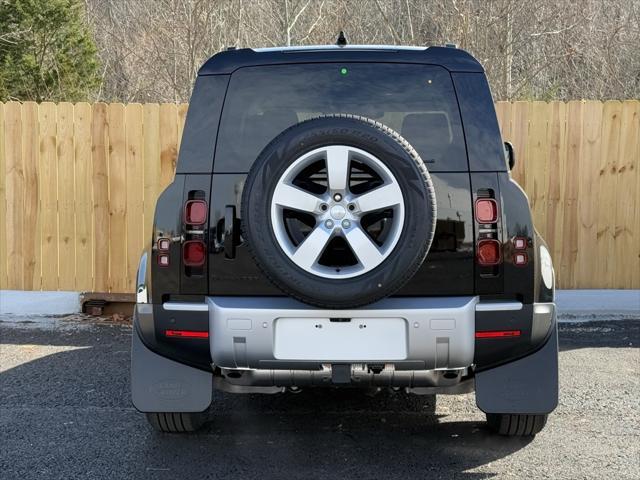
{"type": "Point", "coordinates": [339, 211]}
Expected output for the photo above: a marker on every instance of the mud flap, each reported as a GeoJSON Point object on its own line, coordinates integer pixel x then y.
{"type": "Point", "coordinates": [162, 385]}
{"type": "Point", "coordinates": [526, 386]}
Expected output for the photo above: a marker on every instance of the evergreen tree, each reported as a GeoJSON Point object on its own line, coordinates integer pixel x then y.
{"type": "Point", "coordinates": [47, 51]}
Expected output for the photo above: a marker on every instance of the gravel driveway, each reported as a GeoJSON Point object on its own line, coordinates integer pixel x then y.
{"type": "Point", "coordinates": [65, 413]}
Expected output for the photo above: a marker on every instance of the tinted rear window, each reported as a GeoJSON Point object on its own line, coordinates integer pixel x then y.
{"type": "Point", "coordinates": [416, 100]}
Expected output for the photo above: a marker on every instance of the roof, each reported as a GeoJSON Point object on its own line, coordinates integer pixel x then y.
{"type": "Point", "coordinates": [453, 59]}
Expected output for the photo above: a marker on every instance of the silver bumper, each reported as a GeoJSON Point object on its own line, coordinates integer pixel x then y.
{"type": "Point", "coordinates": [283, 334]}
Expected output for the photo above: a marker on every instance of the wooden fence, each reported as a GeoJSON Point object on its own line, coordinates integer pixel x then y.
{"type": "Point", "coordinates": [79, 183]}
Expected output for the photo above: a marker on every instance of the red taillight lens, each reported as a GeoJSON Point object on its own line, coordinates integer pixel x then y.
{"type": "Point", "coordinates": [498, 334]}
{"type": "Point", "coordinates": [195, 212]}
{"type": "Point", "coordinates": [194, 253]}
{"type": "Point", "coordinates": [186, 334]}
{"type": "Point", "coordinates": [488, 252]}
{"type": "Point", "coordinates": [486, 210]}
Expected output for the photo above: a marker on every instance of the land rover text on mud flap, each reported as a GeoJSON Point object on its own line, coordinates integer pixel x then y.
{"type": "Point", "coordinates": [344, 216]}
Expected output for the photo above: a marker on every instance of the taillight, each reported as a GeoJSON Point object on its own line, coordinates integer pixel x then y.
{"type": "Point", "coordinates": [194, 239]}
{"type": "Point", "coordinates": [488, 252]}
{"type": "Point", "coordinates": [194, 253]}
{"type": "Point", "coordinates": [486, 210]}
{"type": "Point", "coordinates": [195, 212]}
{"type": "Point", "coordinates": [489, 245]}
{"type": "Point", "coordinates": [163, 259]}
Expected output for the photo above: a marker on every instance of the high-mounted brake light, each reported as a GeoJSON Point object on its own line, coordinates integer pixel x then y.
{"type": "Point", "coordinates": [488, 252]}
{"type": "Point", "coordinates": [486, 210]}
{"type": "Point", "coordinates": [193, 253]}
{"type": "Point", "coordinates": [195, 212]}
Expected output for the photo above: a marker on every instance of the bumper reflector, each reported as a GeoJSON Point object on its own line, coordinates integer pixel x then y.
{"type": "Point", "coordinates": [498, 334]}
{"type": "Point", "coordinates": [186, 334]}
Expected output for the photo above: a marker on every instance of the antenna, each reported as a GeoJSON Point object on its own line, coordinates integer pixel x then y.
{"type": "Point", "coordinates": [342, 40]}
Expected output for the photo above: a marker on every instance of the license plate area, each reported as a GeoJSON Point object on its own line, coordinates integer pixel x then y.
{"type": "Point", "coordinates": [325, 339]}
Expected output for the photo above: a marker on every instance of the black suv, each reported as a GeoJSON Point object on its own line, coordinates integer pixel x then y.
{"type": "Point", "coordinates": [344, 217]}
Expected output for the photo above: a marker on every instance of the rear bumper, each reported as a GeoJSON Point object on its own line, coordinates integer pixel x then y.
{"type": "Point", "coordinates": [283, 334]}
{"type": "Point", "coordinates": [400, 342]}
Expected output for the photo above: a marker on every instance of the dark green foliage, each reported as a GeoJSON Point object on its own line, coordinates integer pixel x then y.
{"type": "Point", "coordinates": [46, 51]}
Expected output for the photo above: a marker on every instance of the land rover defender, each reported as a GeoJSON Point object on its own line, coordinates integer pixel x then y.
{"type": "Point", "coordinates": [344, 216]}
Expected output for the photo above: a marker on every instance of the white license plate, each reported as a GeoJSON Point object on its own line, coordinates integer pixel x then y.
{"type": "Point", "coordinates": [360, 339]}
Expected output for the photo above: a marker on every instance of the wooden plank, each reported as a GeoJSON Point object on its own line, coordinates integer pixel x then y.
{"type": "Point", "coordinates": [168, 143]}
{"type": "Point", "coordinates": [588, 193]}
{"type": "Point", "coordinates": [627, 197]}
{"type": "Point", "coordinates": [135, 190]}
{"type": "Point", "coordinates": [151, 127]}
{"type": "Point", "coordinates": [117, 199]}
{"type": "Point", "coordinates": [635, 278]}
{"type": "Point", "coordinates": [567, 262]}
{"type": "Point", "coordinates": [3, 204]}
{"type": "Point", "coordinates": [66, 207]}
{"type": "Point", "coordinates": [520, 126]}
{"type": "Point", "coordinates": [15, 195]}
{"type": "Point", "coordinates": [500, 113]}
{"type": "Point", "coordinates": [47, 114]}
{"type": "Point", "coordinates": [83, 206]}
{"type": "Point", "coordinates": [506, 121]}
{"type": "Point", "coordinates": [181, 118]}
{"type": "Point", "coordinates": [554, 227]}
{"type": "Point", "coordinates": [100, 187]}
{"type": "Point", "coordinates": [606, 177]}
{"type": "Point", "coordinates": [536, 179]}
{"type": "Point", "coordinates": [32, 233]}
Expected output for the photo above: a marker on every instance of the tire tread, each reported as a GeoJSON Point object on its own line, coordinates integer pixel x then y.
{"type": "Point", "coordinates": [516, 425]}
{"type": "Point", "coordinates": [176, 422]}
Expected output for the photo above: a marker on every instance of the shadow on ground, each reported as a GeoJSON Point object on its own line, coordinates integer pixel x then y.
{"type": "Point", "coordinates": [69, 414]}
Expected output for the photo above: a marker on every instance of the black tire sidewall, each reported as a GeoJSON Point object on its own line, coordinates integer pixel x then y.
{"type": "Point", "coordinates": [400, 159]}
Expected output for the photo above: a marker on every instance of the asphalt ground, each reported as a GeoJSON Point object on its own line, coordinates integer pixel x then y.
{"type": "Point", "coordinates": [65, 413]}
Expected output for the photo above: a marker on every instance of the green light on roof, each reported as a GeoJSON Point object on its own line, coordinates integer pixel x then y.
{"type": "Point", "coordinates": [343, 71]}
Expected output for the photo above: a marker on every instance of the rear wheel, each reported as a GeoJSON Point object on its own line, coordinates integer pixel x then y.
{"type": "Point", "coordinates": [176, 422]}
{"type": "Point", "coordinates": [516, 425]}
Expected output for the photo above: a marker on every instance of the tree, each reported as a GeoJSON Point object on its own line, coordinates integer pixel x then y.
{"type": "Point", "coordinates": [46, 51]}
{"type": "Point", "coordinates": [536, 49]}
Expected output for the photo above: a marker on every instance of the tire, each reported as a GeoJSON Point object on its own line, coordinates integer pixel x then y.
{"type": "Point", "coordinates": [176, 422]}
{"type": "Point", "coordinates": [412, 240]}
{"type": "Point", "coordinates": [516, 425]}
